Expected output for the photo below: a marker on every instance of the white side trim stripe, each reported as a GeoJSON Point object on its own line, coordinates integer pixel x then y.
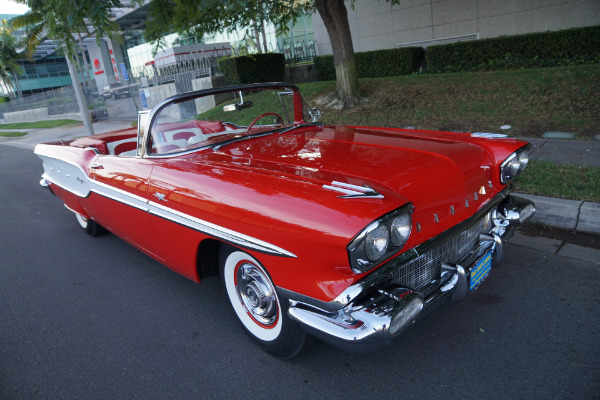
{"type": "Point", "coordinates": [72, 178]}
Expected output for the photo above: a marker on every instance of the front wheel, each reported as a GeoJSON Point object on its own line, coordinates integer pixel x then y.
{"type": "Point", "coordinates": [262, 312]}
{"type": "Point", "coordinates": [89, 226]}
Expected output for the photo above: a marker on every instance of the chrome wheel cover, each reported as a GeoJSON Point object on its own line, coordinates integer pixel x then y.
{"type": "Point", "coordinates": [257, 294]}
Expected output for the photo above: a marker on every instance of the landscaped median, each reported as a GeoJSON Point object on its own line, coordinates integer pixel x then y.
{"type": "Point", "coordinates": [51, 123]}
{"type": "Point", "coordinates": [12, 134]}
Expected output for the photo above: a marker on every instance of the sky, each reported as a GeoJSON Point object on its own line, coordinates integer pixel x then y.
{"type": "Point", "coordinates": [10, 7]}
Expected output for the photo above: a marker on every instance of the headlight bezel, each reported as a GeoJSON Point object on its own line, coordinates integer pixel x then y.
{"type": "Point", "coordinates": [360, 262]}
{"type": "Point", "coordinates": [514, 164]}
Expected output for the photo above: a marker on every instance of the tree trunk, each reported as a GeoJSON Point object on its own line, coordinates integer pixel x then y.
{"type": "Point", "coordinates": [86, 73]}
{"type": "Point", "coordinates": [335, 17]}
{"type": "Point", "coordinates": [85, 115]}
{"type": "Point", "coordinates": [15, 77]}
{"type": "Point", "coordinates": [264, 36]}
{"type": "Point", "coordinates": [257, 38]}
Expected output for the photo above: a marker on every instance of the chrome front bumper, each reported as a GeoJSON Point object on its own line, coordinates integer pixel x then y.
{"type": "Point", "coordinates": [378, 312]}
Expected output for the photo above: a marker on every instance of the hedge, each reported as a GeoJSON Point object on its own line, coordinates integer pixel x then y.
{"type": "Point", "coordinates": [377, 63]}
{"type": "Point", "coordinates": [570, 46]}
{"type": "Point", "coordinates": [269, 67]}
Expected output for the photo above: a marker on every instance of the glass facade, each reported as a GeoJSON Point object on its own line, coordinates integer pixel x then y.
{"type": "Point", "coordinates": [43, 74]}
{"type": "Point", "coordinates": [298, 44]}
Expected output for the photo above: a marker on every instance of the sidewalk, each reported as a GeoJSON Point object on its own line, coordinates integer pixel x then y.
{"type": "Point", "coordinates": [581, 216]}
{"type": "Point", "coordinates": [566, 151]}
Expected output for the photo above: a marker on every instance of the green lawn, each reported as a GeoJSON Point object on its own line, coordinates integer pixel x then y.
{"type": "Point", "coordinates": [53, 123]}
{"type": "Point", "coordinates": [13, 134]}
{"type": "Point", "coordinates": [562, 181]}
{"type": "Point", "coordinates": [532, 101]}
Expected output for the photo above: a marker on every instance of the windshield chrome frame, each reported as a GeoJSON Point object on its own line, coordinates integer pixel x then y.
{"type": "Point", "coordinates": [201, 93]}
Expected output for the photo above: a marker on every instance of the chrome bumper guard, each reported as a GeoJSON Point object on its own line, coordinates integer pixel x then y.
{"type": "Point", "coordinates": [379, 313]}
{"type": "Point", "coordinates": [46, 184]}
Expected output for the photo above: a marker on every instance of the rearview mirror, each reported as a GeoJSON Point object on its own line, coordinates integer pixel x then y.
{"type": "Point", "coordinates": [238, 106]}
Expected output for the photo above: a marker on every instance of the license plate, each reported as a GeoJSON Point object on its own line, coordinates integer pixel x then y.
{"type": "Point", "coordinates": [481, 270]}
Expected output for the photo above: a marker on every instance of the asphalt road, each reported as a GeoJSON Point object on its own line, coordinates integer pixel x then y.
{"type": "Point", "coordinates": [93, 318]}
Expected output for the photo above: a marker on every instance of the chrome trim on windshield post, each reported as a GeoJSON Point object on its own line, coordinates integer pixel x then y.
{"type": "Point", "coordinates": [200, 93]}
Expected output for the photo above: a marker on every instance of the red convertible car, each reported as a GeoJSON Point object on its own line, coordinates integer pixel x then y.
{"type": "Point", "coordinates": [344, 233]}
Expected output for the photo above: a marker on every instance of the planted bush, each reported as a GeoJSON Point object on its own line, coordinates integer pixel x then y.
{"type": "Point", "coordinates": [377, 63]}
{"type": "Point", "coordinates": [268, 67]}
{"type": "Point", "coordinates": [566, 47]}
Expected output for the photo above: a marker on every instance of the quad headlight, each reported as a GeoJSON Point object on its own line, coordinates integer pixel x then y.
{"type": "Point", "coordinates": [380, 239]}
{"type": "Point", "coordinates": [514, 164]}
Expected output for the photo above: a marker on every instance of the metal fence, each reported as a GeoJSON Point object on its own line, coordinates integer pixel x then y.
{"type": "Point", "coordinates": [122, 99]}
{"type": "Point", "coordinates": [58, 101]}
{"type": "Point", "coordinates": [297, 51]}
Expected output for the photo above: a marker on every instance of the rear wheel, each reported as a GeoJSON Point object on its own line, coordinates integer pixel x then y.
{"type": "Point", "coordinates": [262, 312]}
{"type": "Point", "coordinates": [90, 227]}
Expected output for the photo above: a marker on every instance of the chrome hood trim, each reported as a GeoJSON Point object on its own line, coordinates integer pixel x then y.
{"type": "Point", "coordinates": [353, 191]}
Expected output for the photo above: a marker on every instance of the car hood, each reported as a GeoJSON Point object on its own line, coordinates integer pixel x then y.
{"type": "Point", "coordinates": [441, 174]}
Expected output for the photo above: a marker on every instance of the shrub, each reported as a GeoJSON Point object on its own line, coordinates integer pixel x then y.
{"type": "Point", "coordinates": [377, 63]}
{"type": "Point", "coordinates": [325, 68]}
{"type": "Point", "coordinates": [268, 67]}
{"type": "Point", "coordinates": [571, 46]}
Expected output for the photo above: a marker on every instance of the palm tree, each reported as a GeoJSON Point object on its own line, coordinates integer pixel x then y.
{"type": "Point", "coordinates": [10, 69]}
{"type": "Point", "coordinates": [65, 21]}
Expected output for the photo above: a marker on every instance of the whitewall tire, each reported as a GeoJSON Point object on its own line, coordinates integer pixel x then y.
{"type": "Point", "coordinates": [258, 306]}
{"type": "Point", "coordinates": [89, 226]}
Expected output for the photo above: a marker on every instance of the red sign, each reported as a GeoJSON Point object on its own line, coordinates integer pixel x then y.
{"type": "Point", "coordinates": [97, 67]}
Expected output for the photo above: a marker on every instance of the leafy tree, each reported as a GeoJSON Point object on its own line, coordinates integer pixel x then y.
{"type": "Point", "coordinates": [199, 17]}
{"type": "Point", "coordinates": [66, 21]}
{"type": "Point", "coordinates": [9, 55]}
{"type": "Point", "coordinates": [211, 16]}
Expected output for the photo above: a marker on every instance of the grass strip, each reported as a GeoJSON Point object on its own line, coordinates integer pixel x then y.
{"type": "Point", "coordinates": [563, 181]}
{"type": "Point", "coordinates": [532, 101]}
{"type": "Point", "coordinates": [13, 134]}
{"type": "Point", "coordinates": [52, 123]}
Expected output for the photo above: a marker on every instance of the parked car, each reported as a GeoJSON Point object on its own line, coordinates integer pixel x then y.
{"type": "Point", "coordinates": [114, 92]}
{"type": "Point", "coordinates": [344, 233]}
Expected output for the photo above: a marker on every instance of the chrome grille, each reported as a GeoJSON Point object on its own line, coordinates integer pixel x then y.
{"type": "Point", "coordinates": [420, 271]}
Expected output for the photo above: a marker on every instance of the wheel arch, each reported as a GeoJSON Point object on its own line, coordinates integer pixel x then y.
{"type": "Point", "coordinates": [207, 259]}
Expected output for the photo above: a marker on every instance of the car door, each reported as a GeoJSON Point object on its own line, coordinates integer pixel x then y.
{"type": "Point", "coordinates": [120, 200]}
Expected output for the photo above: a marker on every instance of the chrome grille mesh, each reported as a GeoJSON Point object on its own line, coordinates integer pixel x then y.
{"type": "Point", "coordinates": [423, 269]}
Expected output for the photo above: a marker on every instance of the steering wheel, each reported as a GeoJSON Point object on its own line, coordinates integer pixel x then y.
{"type": "Point", "coordinates": [262, 116]}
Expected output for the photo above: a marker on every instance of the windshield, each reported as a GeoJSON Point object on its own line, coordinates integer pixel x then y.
{"type": "Point", "coordinates": [210, 120]}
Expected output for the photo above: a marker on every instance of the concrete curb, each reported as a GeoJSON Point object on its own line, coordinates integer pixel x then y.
{"type": "Point", "coordinates": [581, 216]}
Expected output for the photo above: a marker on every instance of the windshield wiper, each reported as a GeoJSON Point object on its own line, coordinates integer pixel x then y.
{"type": "Point", "coordinates": [217, 146]}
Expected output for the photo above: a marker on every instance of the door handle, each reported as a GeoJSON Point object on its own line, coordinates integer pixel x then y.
{"type": "Point", "coordinates": [97, 166]}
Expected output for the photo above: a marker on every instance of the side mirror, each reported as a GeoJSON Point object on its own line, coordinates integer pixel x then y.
{"type": "Point", "coordinates": [315, 114]}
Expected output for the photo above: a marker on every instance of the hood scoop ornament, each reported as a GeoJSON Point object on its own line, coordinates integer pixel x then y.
{"type": "Point", "coordinates": [353, 191]}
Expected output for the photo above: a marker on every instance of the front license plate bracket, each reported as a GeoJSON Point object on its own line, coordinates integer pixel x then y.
{"type": "Point", "coordinates": [480, 271]}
